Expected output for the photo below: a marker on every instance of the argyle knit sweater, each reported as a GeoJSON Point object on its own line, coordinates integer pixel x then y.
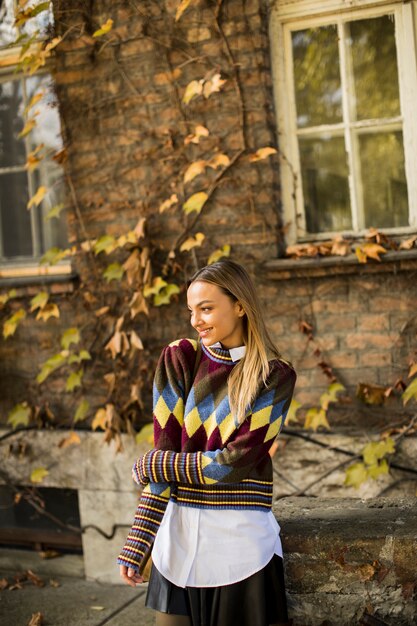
{"type": "Point", "coordinates": [202, 457]}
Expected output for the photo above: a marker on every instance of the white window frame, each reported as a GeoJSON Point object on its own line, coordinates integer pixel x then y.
{"type": "Point", "coordinates": [19, 267]}
{"type": "Point", "coordinates": [288, 15]}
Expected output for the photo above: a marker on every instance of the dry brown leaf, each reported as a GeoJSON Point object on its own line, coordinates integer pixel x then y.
{"type": "Point", "coordinates": [213, 84]}
{"type": "Point", "coordinates": [49, 554]}
{"type": "Point", "coordinates": [199, 131]}
{"type": "Point", "coordinates": [136, 341]}
{"type": "Point", "coordinates": [102, 311]}
{"type": "Point", "coordinates": [408, 244]}
{"type": "Point", "coordinates": [138, 304]}
{"type": "Point", "coordinates": [219, 160]}
{"type": "Point", "coordinates": [167, 204]}
{"type": "Point", "coordinates": [35, 579]}
{"type": "Point", "coordinates": [36, 619]}
{"type": "Point", "coordinates": [72, 439]}
{"type": "Point", "coordinates": [341, 247]}
{"type": "Point", "coordinates": [193, 170]}
{"type": "Point", "coordinates": [54, 583]}
{"type": "Point", "coordinates": [261, 153]}
{"type": "Point", "coordinates": [100, 419]}
{"type": "Point", "coordinates": [413, 370]}
{"type": "Point", "coordinates": [371, 394]}
{"type": "Point", "coordinates": [373, 250]}
{"type": "Point", "coordinates": [4, 583]}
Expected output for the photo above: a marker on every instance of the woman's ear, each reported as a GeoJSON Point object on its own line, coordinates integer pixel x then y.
{"type": "Point", "coordinates": [240, 309]}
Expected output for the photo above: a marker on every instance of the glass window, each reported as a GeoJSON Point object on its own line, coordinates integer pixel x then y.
{"type": "Point", "coordinates": [25, 234]}
{"type": "Point", "coordinates": [349, 125]}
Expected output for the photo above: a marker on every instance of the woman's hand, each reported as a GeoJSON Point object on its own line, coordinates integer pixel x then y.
{"type": "Point", "coordinates": [130, 576]}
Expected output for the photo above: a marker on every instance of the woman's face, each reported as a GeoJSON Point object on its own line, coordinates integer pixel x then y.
{"type": "Point", "coordinates": [214, 315]}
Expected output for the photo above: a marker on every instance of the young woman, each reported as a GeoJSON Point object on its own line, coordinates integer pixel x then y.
{"type": "Point", "coordinates": [205, 510]}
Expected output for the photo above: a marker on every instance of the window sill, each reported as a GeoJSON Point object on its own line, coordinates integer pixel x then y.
{"type": "Point", "coordinates": [34, 274]}
{"type": "Point", "coordinates": [286, 269]}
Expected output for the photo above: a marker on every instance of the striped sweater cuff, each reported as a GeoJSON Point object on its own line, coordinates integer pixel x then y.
{"type": "Point", "coordinates": [168, 466]}
{"type": "Point", "coordinates": [142, 534]}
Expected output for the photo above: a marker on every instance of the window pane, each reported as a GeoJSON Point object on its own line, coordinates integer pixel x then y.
{"type": "Point", "coordinates": [384, 182]}
{"type": "Point", "coordinates": [325, 184]}
{"type": "Point", "coordinates": [12, 149]}
{"type": "Point", "coordinates": [316, 76]}
{"type": "Point", "coordinates": [47, 129]}
{"type": "Point", "coordinates": [8, 33]}
{"type": "Point", "coordinates": [15, 226]}
{"type": "Point", "coordinates": [374, 58]}
{"type": "Point", "coordinates": [39, 22]}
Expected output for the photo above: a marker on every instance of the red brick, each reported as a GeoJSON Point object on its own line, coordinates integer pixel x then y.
{"type": "Point", "coordinates": [343, 360]}
{"type": "Point", "coordinates": [373, 321]}
{"type": "Point", "coordinates": [332, 323]}
{"type": "Point", "coordinates": [375, 359]}
{"type": "Point", "coordinates": [367, 340]}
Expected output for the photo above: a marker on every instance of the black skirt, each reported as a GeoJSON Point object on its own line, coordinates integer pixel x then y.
{"type": "Point", "coordinates": [258, 600]}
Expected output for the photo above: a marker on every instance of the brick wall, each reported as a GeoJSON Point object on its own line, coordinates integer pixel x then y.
{"type": "Point", "coordinates": [123, 122]}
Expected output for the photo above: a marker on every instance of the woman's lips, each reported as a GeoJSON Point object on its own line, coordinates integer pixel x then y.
{"type": "Point", "coordinates": [205, 332]}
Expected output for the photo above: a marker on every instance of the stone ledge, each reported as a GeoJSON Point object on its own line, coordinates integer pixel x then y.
{"type": "Point", "coordinates": [286, 269]}
{"type": "Point", "coordinates": [344, 556]}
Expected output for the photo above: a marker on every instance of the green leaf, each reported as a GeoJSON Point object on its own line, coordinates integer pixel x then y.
{"type": "Point", "coordinates": [114, 271]}
{"type": "Point", "coordinates": [10, 325]}
{"type": "Point", "coordinates": [74, 380]}
{"type": "Point", "coordinates": [377, 469]}
{"type": "Point", "coordinates": [106, 243]}
{"type": "Point", "coordinates": [376, 450]}
{"type": "Point", "coordinates": [39, 301]}
{"type": "Point", "coordinates": [82, 411]}
{"type": "Point", "coordinates": [330, 395]}
{"type": "Point", "coordinates": [39, 8]}
{"type": "Point", "coordinates": [70, 336]}
{"type": "Point", "coordinates": [52, 364]}
{"type": "Point", "coordinates": [145, 435]}
{"type": "Point", "coordinates": [164, 296]}
{"type": "Point", "coordinates": [195, 202]}
{"type": "Point", "coordinates": [410, 391]}
{"type": "Point", "coordinates": [53, 256]}
{"type": "Point", "coordinates": [355, 475]}
{"type": "Point", "coordinates": [55, 211]}
{"type": "Point", "coordinates": [157, 284]}
{"type": "Point", "coordinates": [19, 415]}
{"type": "Point", "coordinates": [5, 297]}
{"type": "Point", "coordinates": [83, 355]}
{"type": "Point", "coordinates": [38, 474]}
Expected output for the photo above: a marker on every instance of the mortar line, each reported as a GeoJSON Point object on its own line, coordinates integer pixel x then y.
{"type": "Point", "coordinates": [121, 608]}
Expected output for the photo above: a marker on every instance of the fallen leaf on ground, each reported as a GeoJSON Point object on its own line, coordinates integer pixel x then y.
{"type": "Point", "coordinates": [36, 619]}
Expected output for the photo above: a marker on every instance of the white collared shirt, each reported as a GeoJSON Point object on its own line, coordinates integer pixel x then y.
{"type": "Point", "coordinates": [209, 548]}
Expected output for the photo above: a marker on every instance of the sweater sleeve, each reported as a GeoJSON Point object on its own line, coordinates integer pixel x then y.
{"type": "Point", "coordinates": [247, 447]}
{"type": "Point", "coordinates": [171, 383]}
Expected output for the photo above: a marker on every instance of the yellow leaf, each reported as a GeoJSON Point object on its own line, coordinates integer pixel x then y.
{"type": "Point", "coordinates": [292, 411]}
{"type": "Point", "coordinates": [38, 474]}
{"type": "Point", "coordinates": [261, 153]}
{"type": "Point", "coordinates": [104, 29]}
{"type": "Point", "coordinates": [330, 395]}
{"type": "Point", "coordinates": [49, 310]}
{"type": "Point", "coordinates": [157, 284]}
{"type": "Point", "coordinates": [145, 435]}
{"type": "Point", "coordinates": [72, 439]}
{"type": "Point", "coordinates": [38, 197]}
{"type": "Point", "coordinates": [28, 127]}
{"type": "Point", "coordinates": [195, 202]}
{"type": "Point", "coordinates": [218, 254]}
{"type": "Point", "coordinates": [193, 89]}
{"type": "Point", "coordinates": [83, 355]}
{"type": "Point", "coordinates": [10, 325]}
{"type": "Point", "coordinates": [74, 380]}
{"type": "Point", "coordinates": [34, 100]}
{"type": "Point", "coordinates": [39, 301]}
{"type": "Point", "coordinates": [199, 131]}
{"type": "Point", "coordinates": [106, 243]}
{"type": "Point", "coordinates": [219, 160]}
{"type": "Point", "coordinates": [355, 475]}
{"type": "Point", "coordinates": [82, 411]}
{"type": "Point", "coordinates": [136, 341]}
{"type": "Point", "coordinates": [19, 415]}
{"type": "Point", "coordinates": [316, 418]}
{"type": "Point", "coordinates": [410, 391]}
{"type": "Point", "coordinates": [70, 336]}
{"type": "Point", "coordinates": [164, 296]}
{"type": "Point", "coordinates": [212, 85]}
{"type": "Point", "coordinates": [193, 170]}
{"type": "Point", "coordinates": [53, 363]}
{"type": "Point", "coordinates": [192, 242]}
{"type": "Point", "coordinates": [55, 211]}
{"type": "Point", "coordinates": [53, 255]}
{"type": "Point", "coordinates": [183, 5]}
{"type": "Point", "coordinates": [114, 271]}
{"type": "Point", "coordinates": [167, 204]}
{"type": "Point", "coordinates": [100, 419]}
{"type": "Point", "coordinates": [413, 370]}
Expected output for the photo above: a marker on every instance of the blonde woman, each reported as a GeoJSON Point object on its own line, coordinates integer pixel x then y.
{"type": "Point", "coordinates": [205, 511]}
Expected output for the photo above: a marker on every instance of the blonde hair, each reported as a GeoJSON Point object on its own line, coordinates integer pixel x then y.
{"type": "Point", "coordinates": [244, 379]}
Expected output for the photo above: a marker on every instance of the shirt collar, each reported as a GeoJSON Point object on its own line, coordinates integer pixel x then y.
{"type": "Point", "coordinates": [236, 353]}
